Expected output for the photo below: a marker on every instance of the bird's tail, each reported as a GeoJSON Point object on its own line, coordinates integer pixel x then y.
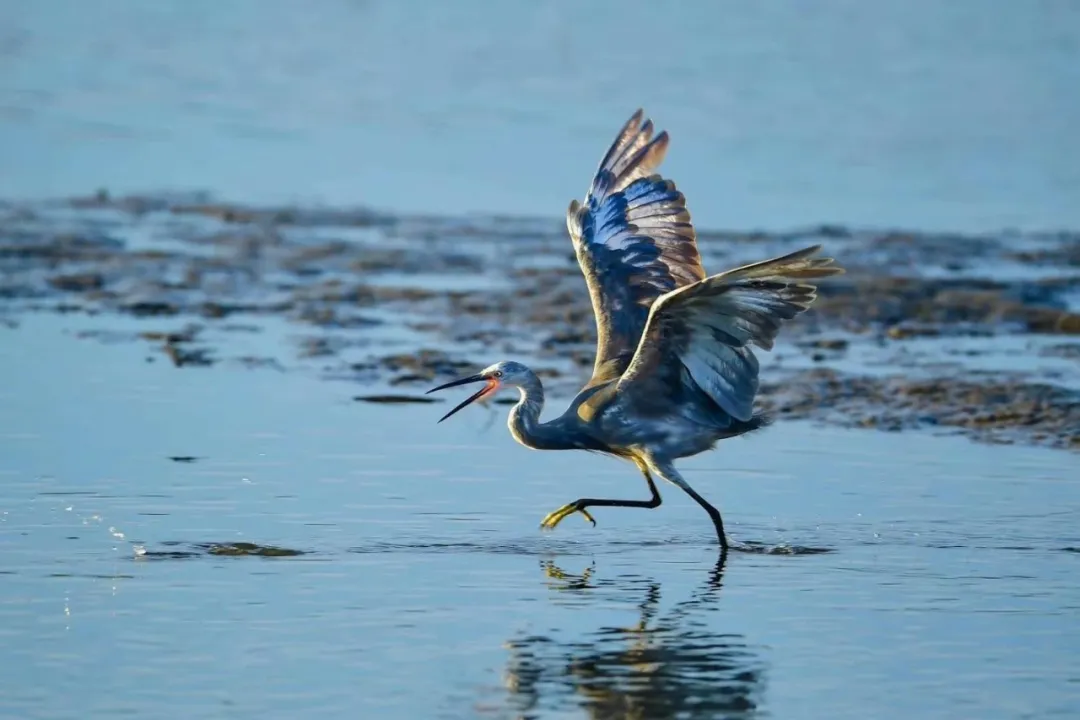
{"type": "Point", "coordinates": [758, 421]}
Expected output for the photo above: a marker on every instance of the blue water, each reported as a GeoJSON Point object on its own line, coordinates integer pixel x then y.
{"type": "Point", "coordinates": [934, 115]}
{"type": "Point", "coordinates": [427, 591]}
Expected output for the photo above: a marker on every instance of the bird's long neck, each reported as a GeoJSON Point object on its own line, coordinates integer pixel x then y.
{"type": "Point", "coordinates": [524, 420]}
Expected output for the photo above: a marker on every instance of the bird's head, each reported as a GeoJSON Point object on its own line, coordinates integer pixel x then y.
{"type": "Point", "coordinates": [501, 374]}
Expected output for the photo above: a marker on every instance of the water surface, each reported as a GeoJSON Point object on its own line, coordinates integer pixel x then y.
{"type": "Point", "coordinates": [933, 115]}
{"type": "Point", "coordinates": [425, 588]}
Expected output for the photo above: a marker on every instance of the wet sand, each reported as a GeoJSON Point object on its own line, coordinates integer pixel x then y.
{"type": "Point", "coordinates": [933, 332]}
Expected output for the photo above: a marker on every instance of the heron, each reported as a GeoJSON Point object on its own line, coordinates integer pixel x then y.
{"type": "Point", "coordinates": [675, 371]}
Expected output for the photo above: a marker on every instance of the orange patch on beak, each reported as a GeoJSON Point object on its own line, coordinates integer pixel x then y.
{"type": "Point", "coordinates": [490, 386]}
{"type": "Point", "coordinates": [489, 389]}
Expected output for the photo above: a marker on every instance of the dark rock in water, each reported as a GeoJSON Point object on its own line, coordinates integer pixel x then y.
{"type": "Point", "coordinates": [1067, 324]}
{"type": "Point", "coordinates": [904, 330]}
{"type": "Point", "coordinates": [194, 551]}
{"type": "Point", "coordinates": [244, 548]}
{"type": "Point", "coordinates": [831, 344]}
{"type": "Point", "coordinates": [181, 357]}
{"type": "Point", "coordinates": [410, 378]}
{"type": "Point", "coordinates": [78, 282]}
{"type": "Point", "coordinates": [183, 336]}
{"type": "Point", "coordinates": [145, 308]}
{"type": "Point", "coordinates": [390, 399]}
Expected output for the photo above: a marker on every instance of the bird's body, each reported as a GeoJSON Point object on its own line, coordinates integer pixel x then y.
{"type": "Point", "coordinates": [674, 371]}
{"type": "Point", "coordinates": [601, 419]}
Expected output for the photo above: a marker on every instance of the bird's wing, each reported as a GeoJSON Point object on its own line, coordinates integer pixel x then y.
{"type": "Point", "coordinates": [698, 337]}
{"type": "Point", "coordinates": [634, 242]}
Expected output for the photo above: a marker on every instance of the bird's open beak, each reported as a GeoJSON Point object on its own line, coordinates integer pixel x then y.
{"type": "Point", "coordinates": [492, 385]}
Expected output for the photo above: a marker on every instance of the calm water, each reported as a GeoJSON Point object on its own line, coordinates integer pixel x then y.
{"type": "Point", "coordinates": [924, 114]}
{"type": "Point", "coordinates": [427, 591]}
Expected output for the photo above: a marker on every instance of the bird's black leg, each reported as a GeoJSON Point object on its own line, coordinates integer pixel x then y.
{"type": "Point", "coordinates": [581, 505]}
{"type": "Point", "coordinates": [714, 514]}
{"type": "Point", "coordinates": [668, 472]}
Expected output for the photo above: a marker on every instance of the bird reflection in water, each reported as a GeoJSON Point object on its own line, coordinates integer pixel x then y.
{"type": "Point", "coordinates": [670, 665]}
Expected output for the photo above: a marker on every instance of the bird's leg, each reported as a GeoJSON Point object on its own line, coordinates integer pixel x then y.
{"type": "Point", "coordinates": [554, 518]}
{"type": "Point", "coordinates": [667, 471]}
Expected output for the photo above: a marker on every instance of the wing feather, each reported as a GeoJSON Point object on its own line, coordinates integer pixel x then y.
{"type": "Point", "coordinates": [634, 241]}
{"type": "Point", "coordinates": [698, 338]}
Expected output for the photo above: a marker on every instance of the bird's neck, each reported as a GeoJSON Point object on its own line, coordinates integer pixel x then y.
{"type": "Point", "coordinates": [524, 420]}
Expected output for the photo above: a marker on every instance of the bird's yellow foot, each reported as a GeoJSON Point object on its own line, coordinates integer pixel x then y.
{"type": "Point", "coordinates": [554, 518]}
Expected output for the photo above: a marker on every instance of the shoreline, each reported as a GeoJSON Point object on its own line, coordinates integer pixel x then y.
{"type": "Point", "coordinates": [976, 334]}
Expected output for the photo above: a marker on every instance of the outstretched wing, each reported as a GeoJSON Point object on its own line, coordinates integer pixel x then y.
{"type": "Point", "coordinates": [697, 340]}
{"type": "Point", "coordinates": [634, 242]}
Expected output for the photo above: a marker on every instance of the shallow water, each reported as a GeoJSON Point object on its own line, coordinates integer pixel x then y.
{"type": "Point", "coordinates": [425, 588]}
{"type": "Point", "coordinates": [933, 115]}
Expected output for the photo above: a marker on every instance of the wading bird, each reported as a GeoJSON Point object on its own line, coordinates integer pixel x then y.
{"type": "Point", "coordinates": [674, 370]}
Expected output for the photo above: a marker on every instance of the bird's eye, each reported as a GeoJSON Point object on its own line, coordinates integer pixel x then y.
{"type": "Point", "coordinates": [497, 373]}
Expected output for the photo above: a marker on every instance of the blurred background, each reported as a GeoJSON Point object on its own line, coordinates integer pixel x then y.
{"type": "Point", "coordinates": [922, 114]}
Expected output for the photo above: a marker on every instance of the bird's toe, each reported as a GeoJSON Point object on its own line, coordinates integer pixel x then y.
{"type": "Point", "coordinates": [552, 519]}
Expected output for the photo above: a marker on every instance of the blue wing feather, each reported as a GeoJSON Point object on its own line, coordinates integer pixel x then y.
{"type": "Point", "coordinates": [634, 242]}
{"type": "Point", "coordinates": [696, 358]}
